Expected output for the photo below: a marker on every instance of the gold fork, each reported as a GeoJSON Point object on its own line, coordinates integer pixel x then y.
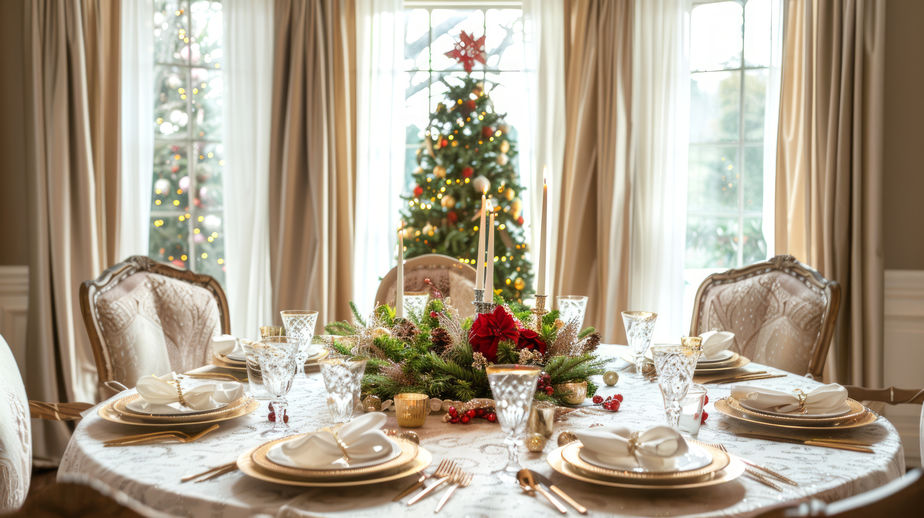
{"type": "Point", "coordinates": [462, 479]}
{"type": "Point", "coordinates": [441, 470]}
{"type": "Point", "coordinates": [214, 472]}
{"type": "Point", "coordinates": [748, 470]}
{"type": "Point", "coordinates": [782, 478]}
{"type": "Point", "coordinates": [159, 436]}
{"type": "Point", "coordinates": [427, 490]}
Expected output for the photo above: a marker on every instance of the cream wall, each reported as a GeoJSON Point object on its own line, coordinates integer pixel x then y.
{"type": "Point", "coordinates": [13, 237]}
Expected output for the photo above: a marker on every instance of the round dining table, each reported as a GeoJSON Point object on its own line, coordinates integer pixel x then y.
{"type": "Point", "coordinates": [152, 473]}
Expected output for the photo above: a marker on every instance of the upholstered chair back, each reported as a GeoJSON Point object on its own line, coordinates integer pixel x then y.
{"type": "Point", "coordinates": [145, 317]}
{"type": "Point", "coordinates": [781, 311]}
{"type": "Point", "coordinates": [15, 434]}
{"type": "Point", "coordinates": [453, 278]}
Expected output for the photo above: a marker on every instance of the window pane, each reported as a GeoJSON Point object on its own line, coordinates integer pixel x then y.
{"type": "Point", "coordinates": [168, 241]}
{"type": "Point", "coordinates": [209, 164]}
{"type": "Point", "coordinates": [715, 36]}
{"type": "Point", "coordinates": [417, 40]}
{"type": "Point", "coordinates": [170, 94]}
{"type": "Point", "coordinates": [171, 178]}
{"type": "Point", "coordinates": [753, 178]}
{"type": "Point", "coordinates": [755, 246]}
{"type": "Point", "coordinates": [210, 246]}
{"type": "Point", "coordinates": [504, 42]}
{"type": "Point", "coordinates": [712, 184]}
{"type": "Point", "coordinates": [170, 31]}
{"type": "Point", "coordinates": [714, 105]}
{"type": "Point", "coordinates": [447, 24]}
{"type": "Point", "coordinates": [712, 242]}
{"type": "Point", "coordinates": [757, 39]}
{"type": "Point", "coordinates": [206, 103]}
{"type": "Point", "coordinates": [755, 100]}
{"type": "Point", "coordinates": [205, 40]}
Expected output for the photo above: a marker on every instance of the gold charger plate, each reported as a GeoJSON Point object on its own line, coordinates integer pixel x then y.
{"type": "Point", "coordinates": [741, 361]}
{"type": "Point", "coordinates": [867, 418]}
{"type": "Point", "coordinates": [856, 410]}
{"type": "Point", "coordinates": [246, 464]}
{"type": "Point", "coordinates": [108, 413]}
{"type": "Point", "coordinates": [718, 364]}
{"type": "Point", "coordinates": [259, 458]}
{"type": "Point", "coordinates": [121, 406]}
{"type": "Point", "coordinates": [224, 362]}
{"type": "Point", "coordinates": [734, 470]}
{"type": "Point", "coordinates": [571, 455]}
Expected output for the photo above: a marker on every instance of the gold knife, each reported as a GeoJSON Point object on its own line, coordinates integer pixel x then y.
{"type": "Point", "coordinates": [749, 378]}
{"type": "Point", "coordinates": [808, 442]}
{"type": "Point", "coordinates": [558, 491]}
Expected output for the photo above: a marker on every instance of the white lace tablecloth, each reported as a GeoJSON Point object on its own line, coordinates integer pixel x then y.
{"type": "Point", "coordinates": [151, 473]}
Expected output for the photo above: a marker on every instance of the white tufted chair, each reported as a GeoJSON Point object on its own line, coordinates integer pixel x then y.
{"type": "Point", "coordinates": [781, 311]}
{"type": "Point", "coordinates": [145, 317]}
{"type": "Point", "coordinates": [453, 278]}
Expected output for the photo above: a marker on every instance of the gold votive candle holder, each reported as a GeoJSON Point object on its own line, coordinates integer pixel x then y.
{"type": "Point", "coordinates": [411, 409]}
{"type": "Point", "coordinates": [542, 419]}
{"type": "Point", "coordinates": [267, 331]}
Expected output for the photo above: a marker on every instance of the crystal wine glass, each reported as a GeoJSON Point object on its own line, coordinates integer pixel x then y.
{"type": "Point", "coordinates": [299, 325]}
{"type": "Point", "coordinates": [342, 379]}
{"type": "Point", "coordinates": [571, 308]}
{"type": "Point", "coordinates": [675, 365]}
{"type": "Point", "coordinates": [513, 387]}
{"type": "Point", "coordinates": [278, 357]}
{"type": "Point", "coordinates": [639, 327]}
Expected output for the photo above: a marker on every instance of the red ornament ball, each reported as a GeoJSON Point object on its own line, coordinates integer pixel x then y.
{"type": "Point", "coordinates": [467, 172]}
{"type": "Point", "coordinates": [492, 417]}
{"type": "Point", "coordinates": [598, 399]}
{"type": "Point", "coordinates": [618, 397]}
{"type": "Point", "coordinates": [470, 105]}
{"type": "Point", "coordinates": [470, 414]}
{"type": "Point", "coordinates": [452, 217]}
{"type": "Point", "coordinates": [418, 191]}
{"type": "Point", "coordinates": [444, 143]}
{"type": "Point", "coordinates": [465, 419]}
{"type": "Point", "coordinates": [520, 220]}
{"type": "Point", "coordinates": [487, 131]}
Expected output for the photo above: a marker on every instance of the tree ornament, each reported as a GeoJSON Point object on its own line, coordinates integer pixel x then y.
{"type": "Point", "coordinates": [418, 190]}
{"type": "Point", "coordinates": [519, 284]}
{"type": "Point", "coordinates": [439, 171]}
{"type": "Point", "coordinates": [505, 146]}
{"type": "Point", "coordinates": [428, 229]}
{"type": "Point", "coordinates": [503, 128]}
{"type": "Point", "coordinates": [470, 105]}
{"type": "Point", "coordinates": [566, 437]}
{"type": "Point", "coordinates": [487, 131]}
{"type": "Point", "coordinates": [467, 172]}
{"type": "Point", "coordinates": [535, 442]}
{"type": "Point", "coordinates": [448, 201]}
{"type": "Point", "coordinates": [520, 220]}
{"type": "Point", "coordinates": [610, 378]}
{"type": "Point", "coordinates": [379, 332]}
{"type": "Point", "coordinates": [468, 50]}
{"type": "Point", "coordinates": [481, 184]}
{"type": "Point", "coordinates": [452, 217]}
{"type": "Point", "coordinates": [162, 186]}
{"type": "Point", "coordinates": [515, 208]}
{"type": "Point", "coordinates": [409, 435]}
{"type": "Point", "coordinates": [443, 143]}
{"type": "Point", "coordinates": [407, 232]}
{"type": "Point", "coordinates": [418, 170]}
{"type": "Point", "coordinates": [510, 194]}
{"type": "Point", "coordinates": [372, 404]}
{"type": "Point", "coordinates": [502, 159]}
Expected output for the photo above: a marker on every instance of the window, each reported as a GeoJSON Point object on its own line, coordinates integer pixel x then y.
{"type": "Point", "coordinates": [730, 174]}
{"type": "Point", "coordinates": [186, 204]}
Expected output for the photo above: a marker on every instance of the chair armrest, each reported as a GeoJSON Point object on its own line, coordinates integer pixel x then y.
{"type": "Point", "coordinates": [57, 411]}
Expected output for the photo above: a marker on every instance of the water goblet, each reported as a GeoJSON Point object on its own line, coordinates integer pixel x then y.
{"type": "Point", "coordinates": [342, 378]}
{"type": "Point", "coordinates": [571, 308]}
{"type": "Point", "coordinates": [299, 325]}
{"type": "Point", "coordinates": [277, 356]}
{"type": "Point", "coordinates": [675, 365]}
{"type": "Point", "coordinates": [639, 327]}
{"type": "Point", "coordinates": [512, 387]}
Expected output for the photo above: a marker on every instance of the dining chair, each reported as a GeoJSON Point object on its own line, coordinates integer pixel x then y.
{"type": "Point", "coordinates": [145, 317]}
{"type": "Point", "coordinates": [892, 396]}
{"type": "Point", "coordinates": [80, 496]}
{"type": "Point", "coordinates": [781, 311]}
{"type": "Point", "coordinates": [900, 497]}
{"type": "Point", "coordinates": [16, 429]}
{"type": "Point", "coordinates": [451, 277]}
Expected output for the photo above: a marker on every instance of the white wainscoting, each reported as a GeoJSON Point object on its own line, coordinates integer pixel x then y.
{"type": "Point", "coordinates": [14, 307]}
{"type": "Point", "coordinates": [904, 351]}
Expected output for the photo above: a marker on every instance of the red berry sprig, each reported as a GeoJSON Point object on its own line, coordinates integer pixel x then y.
{"type": "Point", "coordinates": [545, 384]}
{"type": "Point", "coordinates": [611, 403]}
{"type": "Point", "coordinates": [466, 417]}
{"type": "Point", "coordinates": [272, 415]}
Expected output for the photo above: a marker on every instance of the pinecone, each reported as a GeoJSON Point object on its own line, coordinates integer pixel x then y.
{"type": "Point", "coordinates": [440, 340]}
{"type": "Point", "coordinates": [405, 330]}
{"type": "Point", "coordinates": [590, 343]}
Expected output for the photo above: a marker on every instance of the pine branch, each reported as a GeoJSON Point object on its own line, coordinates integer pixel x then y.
{"type": "Point", "coordinates": [356, 316]}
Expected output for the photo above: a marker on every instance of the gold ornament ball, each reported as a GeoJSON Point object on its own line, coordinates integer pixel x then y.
{"type": "Point", "coordinates": [505, 146]}
{"type": "Point", "coordinates": [379, 332]}
{"type": "Point", "coordinates": [372, 404]}
{"type": "Point", "coordinates": [610, 378]}
{"type": "Point", "coordinates": [418, 170]}
{"type": "Point", "coordinates": [481, 184]}
{"type": "Point", "coordinates": [409, 436]}
{"type": "Point", "coordinates": [448, 202]}
{"type": "Point", "coordinates": [428, 229]}
{"type": "Point", "coordinates": [510, 194]}
{"type": "Point", "coordinates": [535, 442]}
{"type": "Point", "coordinates": [502, 159]}
{"type": "Point", "coordinates": [439, 171]}
{"type": "Point", "coordinates": [566, 437]}
{"type": "Point", "coordinates": [503, 128]}
{"type": "Point", "coordinates": [519, 284]}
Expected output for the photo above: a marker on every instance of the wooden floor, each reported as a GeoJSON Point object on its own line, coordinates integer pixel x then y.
{"type": "Point", "coordinates": [42, 477]}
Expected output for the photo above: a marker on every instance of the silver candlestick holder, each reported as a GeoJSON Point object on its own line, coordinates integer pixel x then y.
{"type": "Point", "coordinates": [540, 311]}
{"type": "Point", "coordinates": [480, 305]}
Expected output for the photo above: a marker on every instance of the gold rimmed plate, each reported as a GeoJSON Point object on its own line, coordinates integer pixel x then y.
{"type": "Point", "coordinates": [733, 470]}
{"type": "Point", "coordinates": [739, 362]}
{"type": "Point", "coordinates": [123, 406]}
{"type": "Point", "coordinates": [108, 413]}
{"type": "Point", "coordinates": [855, 410]}
{"type": "Point", "coordinates": [224, 362]}
{"type": "Point", "coordinates": [571, 453]}
{"type": "Point", "coordinates": [261, 458]}
{"type": "Point", "coordinates": [718, 364]}
{"type": "Point", "coordinates": [247, 465]}
{"type": "Point", "coordinates": [868, 417]}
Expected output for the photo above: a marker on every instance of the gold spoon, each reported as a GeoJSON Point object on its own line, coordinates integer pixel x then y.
{"type": "Point", "coordinates": [525, 478]}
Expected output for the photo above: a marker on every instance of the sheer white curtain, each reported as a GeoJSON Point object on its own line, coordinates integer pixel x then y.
{"type": "Point", "coordinates": [137, 127]}
{"type": "Point", "coordinates": [248, 73]}
{"type": "Point", "coordinates": [661, 91]}
{"type": "Point", "coordinates": [380, 142]}
{"type": "Point", "coordinates": [544, 41]}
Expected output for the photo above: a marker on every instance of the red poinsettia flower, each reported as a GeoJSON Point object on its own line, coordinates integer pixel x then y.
{"type": "Point", "coordinates": [531, 340]}
{"type": "Point", "coordinates": [490, 329]}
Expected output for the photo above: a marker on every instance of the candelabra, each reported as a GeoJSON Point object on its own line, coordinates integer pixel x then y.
{"type": "Point", "coordinates": [540, 311]}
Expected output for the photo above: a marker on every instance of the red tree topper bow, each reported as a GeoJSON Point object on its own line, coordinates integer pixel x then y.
{"type": "Point", "coordinates": [467, 50]}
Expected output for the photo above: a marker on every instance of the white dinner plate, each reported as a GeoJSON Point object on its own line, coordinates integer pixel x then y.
{"type": "Point", "coordinates": [839, 412]}
{"type": "Point", "coordinates": [276, 455]}
{"type": "Point", "coordinates": [721, 357]}
{"type": "Point", "coordinates": [143, 407]}
{"type": "Point", "coordinates": [694, 458]}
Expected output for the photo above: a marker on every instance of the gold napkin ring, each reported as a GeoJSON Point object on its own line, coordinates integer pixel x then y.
{"type": "Point", "coordinates": [633, 443]}
{"type": "Point", "coordinates": [802, 397]}
{"type": "Point", "coordinates": [340, 443]}
{"type": "Point", "coordinates": [179, 394]}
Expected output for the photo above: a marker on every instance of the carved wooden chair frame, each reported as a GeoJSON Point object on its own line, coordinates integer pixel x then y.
{"type": "Point", "coordinates": [789, 265]}
{"type": "Point", "coordinates": [421, 262]}
{"type": "Point", "coordinates": [91, 290]}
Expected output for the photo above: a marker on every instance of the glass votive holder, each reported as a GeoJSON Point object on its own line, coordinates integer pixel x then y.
{"type": "Point", "coordinates": [411, 409]}
{"type": "Point", "coordinates": [415, 302]}
{"type": "Point", "coordinates": [691, 409]}
{"type": "Point", "coordinates": [571, 308]}
{"type": "Point", "coordinates": [254, 374]}
{"type": "Point", "coordinates": [267, 331]}
{"type": "Point", "coordinates": [542, 419]}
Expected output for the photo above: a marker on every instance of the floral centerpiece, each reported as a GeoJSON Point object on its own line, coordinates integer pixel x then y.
{"type": "Point", "coordinates": [440, 354]}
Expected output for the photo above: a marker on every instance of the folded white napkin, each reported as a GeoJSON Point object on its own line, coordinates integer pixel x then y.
{"type": "Point", "coordinates": [160, 391]}
{"type": "Point", "coordinates": [715, 342]}
{"type": "Point", "coordinates": [822, 400]}
{"type": "Point", "coordinates": [653, 448]}
{"type": "Point", "coordinates": [226, 345]}
{"type": "Point", "coordinates": [360, 440]}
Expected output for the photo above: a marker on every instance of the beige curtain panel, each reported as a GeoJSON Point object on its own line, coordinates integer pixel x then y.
{"type": "Point", "coordinates": [593, 234]}
{"type": "Point", "coordinates": [829, 166]}
{"type": "Point", "coordinates": [313, 157]}
{"type": "Point", "coordinates": [73, 140]}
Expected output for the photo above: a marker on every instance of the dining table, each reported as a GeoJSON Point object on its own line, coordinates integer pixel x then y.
{"type": "Point", "coordinates": [152, 473]}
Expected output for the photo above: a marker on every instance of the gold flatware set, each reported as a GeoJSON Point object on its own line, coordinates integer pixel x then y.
{"type": "Point", "coordinates": [836, 443]}
{"type": "Point", "coordinates": [165, 435]}
{"type": "Point", "coordinates": [446, 473]}
{"type": "Point", "coordinates": [211, 473]}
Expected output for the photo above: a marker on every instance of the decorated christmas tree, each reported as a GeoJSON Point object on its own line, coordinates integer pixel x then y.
{"type": "Point", "coordinates": [467, 151]}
